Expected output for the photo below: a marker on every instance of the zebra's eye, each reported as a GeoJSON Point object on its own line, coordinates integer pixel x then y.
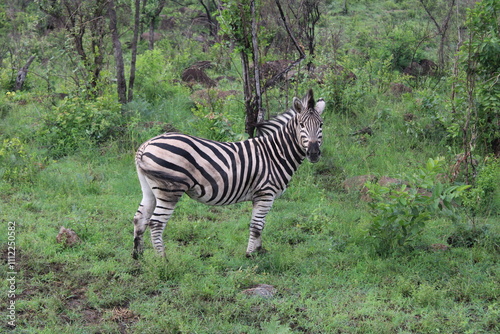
{"type": "Point", "coordinates": [301, 124]}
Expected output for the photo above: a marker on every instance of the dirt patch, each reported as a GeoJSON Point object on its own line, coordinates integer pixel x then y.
{"type": "Point", "coordinates": [77, 302]}
{"type": "Point", "coordinates": [70, 289]}
{"type": "Point", "coordinates": [398, 89]}
{"type": "Point", "coordinates": [124, 317]}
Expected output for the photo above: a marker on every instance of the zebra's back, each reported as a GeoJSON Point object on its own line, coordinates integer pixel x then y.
{"type": "Point", "coordinates": [211, 172]}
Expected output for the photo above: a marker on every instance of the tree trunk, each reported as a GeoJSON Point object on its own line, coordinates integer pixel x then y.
{"type": "Point", "coordinates": [134, 50]}
{"type": "Point", "coordinates": [152, 23]}
{"type": "Point", "coordinates": [247, 92]}
{"type": "Point", "coordinates": [21, 74]}
{"type": "Point", "coordinates": [152, 34]}
{"type": "Point", "coordinates": [120, 67]}
{"type": "Point", "coordinates": [257, 103]}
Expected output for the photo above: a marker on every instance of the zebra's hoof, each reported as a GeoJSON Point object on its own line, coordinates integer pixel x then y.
{"type": "Point", "coordinates": [136, 255]}
{"type": "Point", "coordinates": [258, 251]}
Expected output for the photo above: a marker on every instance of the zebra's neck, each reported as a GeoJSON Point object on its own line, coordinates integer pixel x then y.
{"type": "Point", "coordinates": [285, 150]}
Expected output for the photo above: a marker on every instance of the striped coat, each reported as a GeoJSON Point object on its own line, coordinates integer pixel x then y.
{"type": "Point", "coordinates": [216, 173]}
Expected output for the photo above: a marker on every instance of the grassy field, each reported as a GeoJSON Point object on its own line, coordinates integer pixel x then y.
{"type": "Point", "coordinates": [322, 262]}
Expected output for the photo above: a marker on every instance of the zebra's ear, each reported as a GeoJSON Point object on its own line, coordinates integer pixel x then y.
{"type": "Point", "coordinates": [297, 105]}
{"type": "Point", "coordinates": [320, 106]}
{"type": "Point", "coordinates": [310, 99]}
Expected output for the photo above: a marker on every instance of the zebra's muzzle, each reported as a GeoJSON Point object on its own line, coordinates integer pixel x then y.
{"type": "Point", "coordinates": [313, 152]}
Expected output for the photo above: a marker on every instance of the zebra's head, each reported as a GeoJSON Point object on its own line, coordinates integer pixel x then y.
{"type": "Point", "coordinates": [310, 125]}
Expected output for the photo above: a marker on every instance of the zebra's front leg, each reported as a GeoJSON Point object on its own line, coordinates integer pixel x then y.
{"type": "Point", "coordinates": [260, 209]}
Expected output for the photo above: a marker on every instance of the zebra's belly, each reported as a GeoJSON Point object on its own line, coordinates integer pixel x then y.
{"type": "Point", "coordinates": [207, 196]}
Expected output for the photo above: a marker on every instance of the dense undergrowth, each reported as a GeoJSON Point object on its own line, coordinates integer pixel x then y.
{"type": "Point", "coordinates": [70, 163]}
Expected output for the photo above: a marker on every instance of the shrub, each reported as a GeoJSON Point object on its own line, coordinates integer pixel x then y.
{"type": "Point", "coordinates": [17, 164]}
{"type": "Point", "coordinates": [156, 77]}
{"type": "Point", "coordinates": [399, 215]}
{"type": "Point", "coordinates": [484, 197]}
{"type": "Point", "coordinates": [76, 123]}
{"type": "Point", "coordinates": [216, 118]}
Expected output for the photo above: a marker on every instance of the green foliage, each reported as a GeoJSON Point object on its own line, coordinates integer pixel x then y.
{"type": "Point", "coordinates": [476, 101]}
{"type": "Point", "coordinates": [217, 119]}
{"type": "Point", "coordinates": [399, 215]}
{"type": "Point", "coordinates": [76, 123]}
{"type": "Point", "coordinates": [484, 197]}
{"type": "Point", "coordinates": [156, 77]}
{"type": "Point", "coordinates": [401, 45]}
{"type": "Point", "coordinates": [344, 96]}
{"type": "Point", "coordinates": [425, 115]}
{"type": "Point", "coordinates": [18, 164]}
{"type": "Point", "coordinates": [5, 105]}
{"type": "Point", "coordinates": [235, 21]}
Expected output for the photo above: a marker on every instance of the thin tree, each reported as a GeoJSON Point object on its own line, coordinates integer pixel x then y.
{"type": "Point", "coordinates": [442, 27]}
{"type": "Point", "coordinates": [120, 67]}
{"type": "Point", "coordinates": [84, 22]}
{"type": "Point", "coordinates": [151, 11]}
{"type": "Point", "coordinates": [240, 23]}
{"type": "Point", "coordinates": [133, 47]}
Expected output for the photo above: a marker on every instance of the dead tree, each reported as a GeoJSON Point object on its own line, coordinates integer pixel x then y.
{"type": "Point", "coordinates": [21, 74]}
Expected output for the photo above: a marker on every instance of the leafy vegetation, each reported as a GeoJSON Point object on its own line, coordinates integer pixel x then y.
{"type": "Point", "coordinates": [400, 214]}
{"type": "Point", "coordinates": [418, 256]}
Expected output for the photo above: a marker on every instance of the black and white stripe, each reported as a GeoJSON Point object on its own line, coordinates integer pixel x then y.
{"type": "Point", "coordinates": [215, 173]}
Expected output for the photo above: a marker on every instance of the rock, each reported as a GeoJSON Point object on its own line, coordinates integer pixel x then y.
{"type": "Point", "coordinates": [262, 290]}
{"type": "Point", "coordinates": [423, 67]}
{"type": "Point", "coordinates": [67, 237]}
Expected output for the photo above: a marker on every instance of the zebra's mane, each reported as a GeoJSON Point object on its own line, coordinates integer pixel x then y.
{"type": "Point", "coordinates": [275, 123]}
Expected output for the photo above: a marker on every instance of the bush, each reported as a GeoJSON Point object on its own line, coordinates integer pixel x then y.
{"type": "Point", "coordinates": [156, 77]}
{"type": "Point", "coordinates": [216, 119]}
{"type": "Point", "coordinates": [484, 197]}
{"type": "Point", "coordinates": [77, 123]}
{"type": "Point", "coordinates": [17, 163]}
{"type": "Point", "coordinates": [399, 215]}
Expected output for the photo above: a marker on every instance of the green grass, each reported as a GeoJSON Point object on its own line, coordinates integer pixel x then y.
{"type": "Point", "coordinates": [319, 260]}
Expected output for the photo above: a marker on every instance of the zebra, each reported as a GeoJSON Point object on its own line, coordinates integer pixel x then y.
{"type": "Point", "coordinates": [220, 173]}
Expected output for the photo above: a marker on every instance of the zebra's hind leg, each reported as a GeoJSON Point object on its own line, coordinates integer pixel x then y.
{"type": "Point", "coordinates": [166, 199]}
{"type": "Point", "coordinates": [142, 216]}
{"type": "Point", "coordinates": [260, 209]}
